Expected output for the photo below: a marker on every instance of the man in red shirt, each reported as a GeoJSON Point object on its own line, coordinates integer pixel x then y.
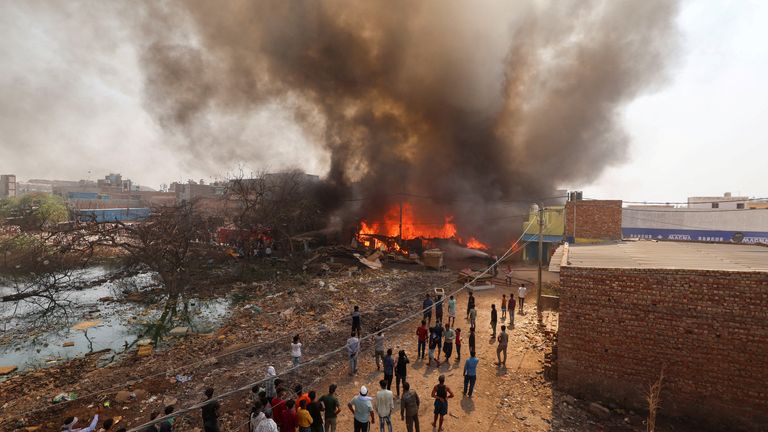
{"type": "Point", "coordinates": [278, 408]}
{"type": "Point", "coordinates": [422, 332]}
{"type": "Point", "coordinates": [290, 419]}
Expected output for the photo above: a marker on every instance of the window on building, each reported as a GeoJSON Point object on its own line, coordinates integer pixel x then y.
{"type": "Point", "coordinates": [715, 205]}
{"type": "Point", "coordinates": [739, 205]}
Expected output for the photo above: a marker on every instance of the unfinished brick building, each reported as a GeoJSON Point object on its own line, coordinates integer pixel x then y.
{"type": "Point", "coordinates": [698, 311]}
{"type": "Point", "coordinates": [592, 220]}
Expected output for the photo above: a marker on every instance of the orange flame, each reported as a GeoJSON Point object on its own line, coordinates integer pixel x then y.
{"type": "Point", "coordinates": [390, 225]}
{"type": "Point", "coordinates": [474, 243]}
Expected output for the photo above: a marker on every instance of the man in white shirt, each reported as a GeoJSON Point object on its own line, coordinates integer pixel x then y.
{"type": "Point", "coordinates": [521, 292]}
{"type": "Point", "coordinates": [384, 405]}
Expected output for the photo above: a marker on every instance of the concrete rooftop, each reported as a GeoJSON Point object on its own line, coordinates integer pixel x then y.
{"type": "Point", "coordinates": [644, 254]}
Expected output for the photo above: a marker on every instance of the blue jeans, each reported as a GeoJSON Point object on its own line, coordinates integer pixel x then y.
{"type": "Point", "coordinates": [469, 380]}
{"type": "Point", "coordinates": [353, 363]}
{"type": "Point", "coordinates": [422, 349]}
{"type": "Point", "coordinates": [296, 361]}
{"type": "Point", "coordinates": [382, 420]}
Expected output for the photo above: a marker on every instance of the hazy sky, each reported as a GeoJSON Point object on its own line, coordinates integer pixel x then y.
{"type": "Point", "coordinates": [71, 102]}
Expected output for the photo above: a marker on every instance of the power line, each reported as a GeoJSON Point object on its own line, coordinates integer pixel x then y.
{"type": "Point", "coordinates": [329, 353]}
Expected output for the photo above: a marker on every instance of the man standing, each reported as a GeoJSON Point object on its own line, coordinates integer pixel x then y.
{"type": "Point", "coordinates": [356, 323]}
{"type": "Point", "coordinates": [389, 368]}
{"type": "Point", "coordinates": [471, 339]}
{"type": "Point", "coordinates": [378, 348]}
{"type": "Point", "coordinates": [315, 409]}
{"type": "Point", "coordinates": [521, 292]}
{"type": "Point", "coordinates": [332, 408]}
{"type": "Point", "coordinates": [470, 303]}
{"type": "Point", "coordinates": [409, 408]}
{"type": "Point", "coordinates": [494, 317]}
{"type": "Point", "coordinates": [472, 318]}
{"type": "Point", "coordinates": [290, 421]}
{"type": "Point", "coordinates": [441, 393]}
{"type": "Point", "coordinates": [353, 349]}
{"type": "Point", "coordinates": [511, 305]}
{"type": "Point", "coordinates": [210, 412]}
{"type": "Point", "coordinates": [458, 344]}
{"type": "Point", "coordinates": [448, 344]}
{"type": "Point", "coordinates": [427, 307]}
{"type": "Point", "coordinates": [452, 311]}
{"type": "Point", "coordinates": [439, 309]}
{"type": "Point", "coordinates": [422, 332]}
{"type": "Point", "coordinates": [384, 406]}
{"type": "Point", "coordinates": [362, 409]}
{"type": "Point", "coordinates": [470, 373]}
{"type": "Point", "coordinates": [401, 370]}
{"type": "Point", "coordinates": [503, 307]}
{"type": "Point", "coordinates": [438, 339]}
{"type": "Point", "coordinates": [304, 417]}
{"type": "Point", "coordinates": [502, 348]}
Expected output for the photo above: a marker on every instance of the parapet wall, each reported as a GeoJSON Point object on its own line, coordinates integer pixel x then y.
{"type": "Point", "coordinates": [708, 329]}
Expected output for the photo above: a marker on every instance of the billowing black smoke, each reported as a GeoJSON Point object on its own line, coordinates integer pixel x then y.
{"type": "Point", "coordinates": [471, 104]}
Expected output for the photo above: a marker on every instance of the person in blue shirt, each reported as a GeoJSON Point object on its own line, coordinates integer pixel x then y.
{"type": "Point", "coordinates": [427, 307]}
{"type": "Point", "coordinates": [470, 373]}
{"type": "Point", "coordinates": [389, 368]}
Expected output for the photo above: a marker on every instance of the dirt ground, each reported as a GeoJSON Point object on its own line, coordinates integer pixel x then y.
{"type": "Point", "coordinates": [515, 397]}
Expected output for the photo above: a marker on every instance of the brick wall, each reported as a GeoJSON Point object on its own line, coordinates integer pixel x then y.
{"type": "Point", "coordinates": [709, 328]}
{"type": "Point", "coordinates": [594, 219]}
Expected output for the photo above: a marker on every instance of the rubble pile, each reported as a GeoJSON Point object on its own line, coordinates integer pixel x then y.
{"type": "Point", "coordinates": [256, 335]}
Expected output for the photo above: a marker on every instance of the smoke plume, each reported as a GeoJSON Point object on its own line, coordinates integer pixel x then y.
{"type": "Point", "coordinates": [472, 104]}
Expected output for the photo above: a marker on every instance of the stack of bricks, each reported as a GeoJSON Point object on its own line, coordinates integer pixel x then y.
{"type": "Point", "coordinates": [708, 330]}
{"type": "Point", "coordinates": [593, 219]}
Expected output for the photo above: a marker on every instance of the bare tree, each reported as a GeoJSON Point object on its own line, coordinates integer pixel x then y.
{"type": "Point", "coordinates": [175, 242]}
{"type": "Point", "coordinates": [286, 203]}
{"type": "Point", "coordinates": [654, 401]}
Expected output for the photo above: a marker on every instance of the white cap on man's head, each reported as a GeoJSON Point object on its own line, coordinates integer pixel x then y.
{"type": "Point", "coordinates": [364, 390]}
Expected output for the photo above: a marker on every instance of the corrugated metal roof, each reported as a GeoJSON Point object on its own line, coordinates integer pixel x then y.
{"type": "Point", "coordinates": [670, 255]}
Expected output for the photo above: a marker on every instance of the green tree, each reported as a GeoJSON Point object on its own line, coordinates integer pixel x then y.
{"type": "Point", "coordinates": [34, 212]}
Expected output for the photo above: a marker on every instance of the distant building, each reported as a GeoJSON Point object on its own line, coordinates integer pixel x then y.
{"type": "Point", "coordinates": [7, 186]}
{"type": "Point", "coordinates": [725, 202]}
{"type": "Point", "coordinates": [186, 192]}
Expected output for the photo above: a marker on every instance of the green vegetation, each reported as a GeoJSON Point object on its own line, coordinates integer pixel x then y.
{"type": "Point", "coordinates": [34, 212]}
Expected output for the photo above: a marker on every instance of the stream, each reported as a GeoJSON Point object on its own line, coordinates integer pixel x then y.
{"type": "Point", "coordinates": [28, 342]}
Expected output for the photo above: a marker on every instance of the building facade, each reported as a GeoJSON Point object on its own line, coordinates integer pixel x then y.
{"type": "Point", "coordinates": [7, 186]}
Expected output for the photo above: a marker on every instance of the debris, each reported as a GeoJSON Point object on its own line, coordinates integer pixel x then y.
{"type": "Point", "coordinates": [5, 370]}
{"type": "Point", "coordinates": [433, 258]}
{"type": "Point", "coordinates": [183, 378]}
{"type": "Point", "coordinates": [68, 344]}
{"type": "Point", "coordinates": [85, 325]}
{"type": "Point", "coordinates": [63, 397]}
{"type": "Point", "coordinates": [170, 401]}
{"type": "Point", "coordinates": [179, 331]}
{"type": "Point", "coordinates": [123, 396]}
{"type": "Point", "coordinates": [145, 351]}
{"type": "Point", "coordinates": [374, 264]}
{"type": "Point", "coordinates": [599, 410]}
{"type": "Point", "coordinates": [144, 342]}
{"type": "Point", "coordinates": [286, 314]}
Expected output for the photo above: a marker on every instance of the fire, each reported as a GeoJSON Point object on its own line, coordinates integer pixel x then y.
{"type": "Point", "coordinates": [390, 225]}
{"type": "Point", "coordinates": [474, 243]}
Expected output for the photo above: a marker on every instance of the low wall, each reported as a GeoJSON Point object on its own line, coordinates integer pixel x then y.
{"type": "Point", "coordinates": [708, 329]}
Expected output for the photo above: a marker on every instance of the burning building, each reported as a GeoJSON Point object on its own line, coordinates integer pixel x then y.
{"type": "Point", "coordinates": [483, 107]}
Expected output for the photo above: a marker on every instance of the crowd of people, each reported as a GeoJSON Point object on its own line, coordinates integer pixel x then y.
{"type": "Point", "coordinates": [276, 408]}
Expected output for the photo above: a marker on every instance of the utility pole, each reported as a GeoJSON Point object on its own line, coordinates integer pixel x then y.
{"type": "Point", "coordinates": [541, 254]}
{"type": "Point", "coordinates": [400, 234]}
